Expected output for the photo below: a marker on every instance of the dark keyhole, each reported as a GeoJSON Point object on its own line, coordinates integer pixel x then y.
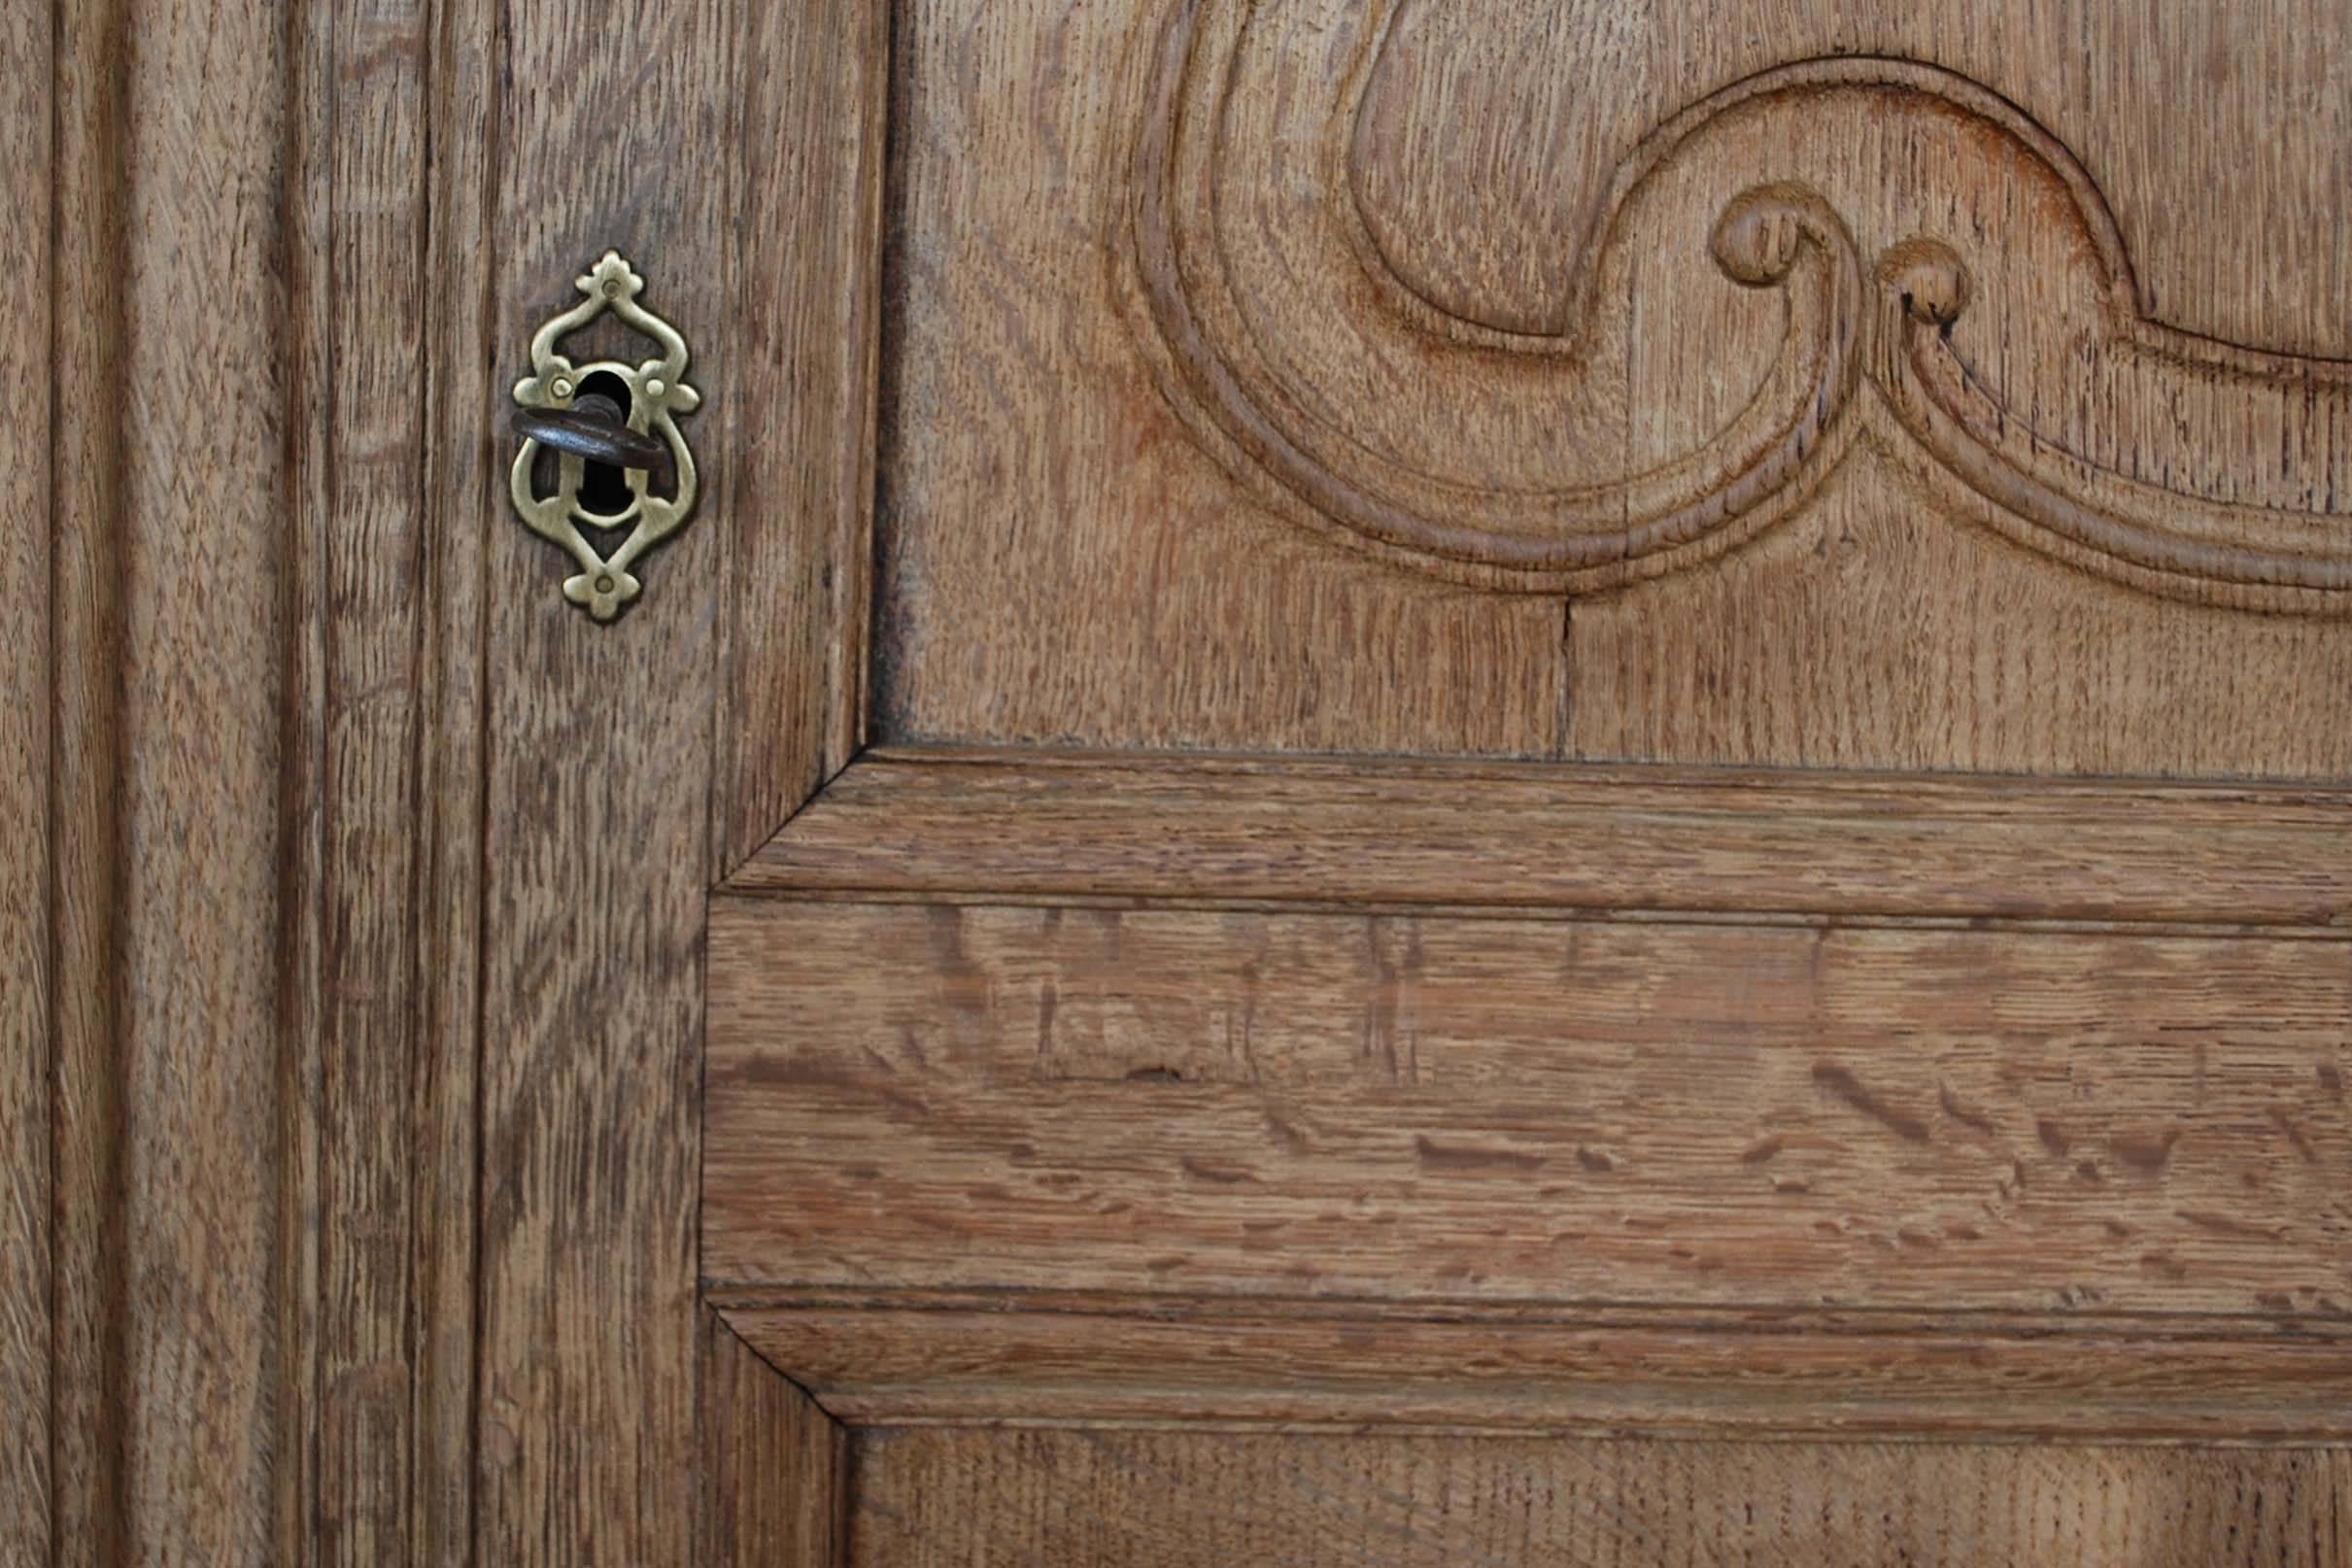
{"type": "Point", "coordinates": [603, 488]}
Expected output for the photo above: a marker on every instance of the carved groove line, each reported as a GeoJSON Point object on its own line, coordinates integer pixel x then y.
{"type": "Point", "coordinates": [1252, 397]}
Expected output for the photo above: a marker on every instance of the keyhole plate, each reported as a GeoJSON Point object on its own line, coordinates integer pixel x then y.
{"type": "Point", "coordinates": [657, 394]}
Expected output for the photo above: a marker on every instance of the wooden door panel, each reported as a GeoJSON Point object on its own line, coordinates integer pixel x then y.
{"type": "Point", "coordinates": [1285, 295]}
{"type": "Point", "coordinates": [1785, 395]}
{"type": "Point", "coordinates": [1423, 1108]}
{"type": "Point", "coordinates": [1502, 398]}
{"type": "Point", "coordinates": [1215, 1090]}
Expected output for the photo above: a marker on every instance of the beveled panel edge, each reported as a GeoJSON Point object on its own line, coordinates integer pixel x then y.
{"type": "Point", "coordinates": [776, 1473]}
{"type": "Point", "coordinates": [1037, 1359]}
{"type": "Point", "coordinates": [1577, 841]}
{"type": "Point", "coordinates": [799, 485]}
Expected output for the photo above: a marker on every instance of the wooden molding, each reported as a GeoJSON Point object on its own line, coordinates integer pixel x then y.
{"type": "Point", "coordinates": [1234, 251]}
{"type": "Point", "coordinates": [1147, 1361]}
{"type": "Point", "coordinates": [1190, 830]}
{"type": "Point", "coordinates": [805, 296]}
{"type": "Point", "coordinates": [28, 1328]}
{"type": "Point", "coordinates": [775, 1467]}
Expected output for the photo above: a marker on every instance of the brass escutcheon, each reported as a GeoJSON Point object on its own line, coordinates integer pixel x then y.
{"type": "Point", "coordinates": [643, 440]}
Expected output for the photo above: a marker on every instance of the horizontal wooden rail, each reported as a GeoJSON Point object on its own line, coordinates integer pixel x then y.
{"type": "Point", "coordinates": [1188, 828]}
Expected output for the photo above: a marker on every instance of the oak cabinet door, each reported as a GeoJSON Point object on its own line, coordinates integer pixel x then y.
{"type": "Point", "coordinates": [1420, 784]}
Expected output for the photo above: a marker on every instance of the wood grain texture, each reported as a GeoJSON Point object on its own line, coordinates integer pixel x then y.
{"type": "Point", "coordinates": [595, 833]}
{"type": "Point", "coordinates": [1059, 562]}
{"type": "Point", "coordinates": [1864, 207]}
{"type": "Point", "coordinates": [1911, 614]}
{"type": "Point", "coordinates": [1109, 1498]}
{"type": "Point", "coordinates": [453, 763]}
{"type": "Point", "coordinates": [1243, 831]}
{"type": "Point", "coordinates": [1870, 632]}
{"type": "Point", "coordinates": [1530, 107]}
{"type": "Point", "coordinates": [373, 876]}
{"type": "Point", "coordinates": [807, 156]}
{"type": "Point", "coordinates": [1417, 1107]}
{"type": "Point", "coordinates": [386, 187]}
{"type": "Point", "coordinates": [27, 84]}
{"type": "Point", "coordinates": [180, 776]}
{"type": "Point", "coordinates": [1935, 309]}
{"type": "Point", "coordinates": [989, 1358]}
{"type": "Point", "coordinates": [775, 1467]}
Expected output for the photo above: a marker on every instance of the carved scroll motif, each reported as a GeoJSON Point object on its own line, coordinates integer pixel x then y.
{"type": "Point", "coordinates": [1498, 451]}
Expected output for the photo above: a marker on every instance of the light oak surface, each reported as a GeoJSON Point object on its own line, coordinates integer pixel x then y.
{"type": "Point", "coordinates": [27, 1175]}
{"type": "Point", "coordinates": [595, 822]}
{"type": "Point", "coordinates": [1052, 1497]}
{"type": "Point", "coordinates": [1342, 1018]}
{"type": "Point", "coordinates": [971, 826]}
{"type": "Point", "coordinates": [1799, 388]}
{"type": "Point", "coordinates": [1436, 1109]}
{"type": "Point", "coordinates": [180, 779]}
{"type": "Point", "coordinates": [777, 1488]}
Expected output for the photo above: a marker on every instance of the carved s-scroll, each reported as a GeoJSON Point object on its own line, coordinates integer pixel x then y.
{"type": "Point", "coordinates": [1294, 347]}
{"type": "Point", "coordinates": [2257, 557]}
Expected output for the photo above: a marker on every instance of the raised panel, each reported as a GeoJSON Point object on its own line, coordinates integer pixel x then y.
{"type": "Point", "coordinates": [1883, 390]}
{"type": "Point", "coordinates": [1092, 1088]}
{"type": "Point", "coordinates": [1497, 1110]}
